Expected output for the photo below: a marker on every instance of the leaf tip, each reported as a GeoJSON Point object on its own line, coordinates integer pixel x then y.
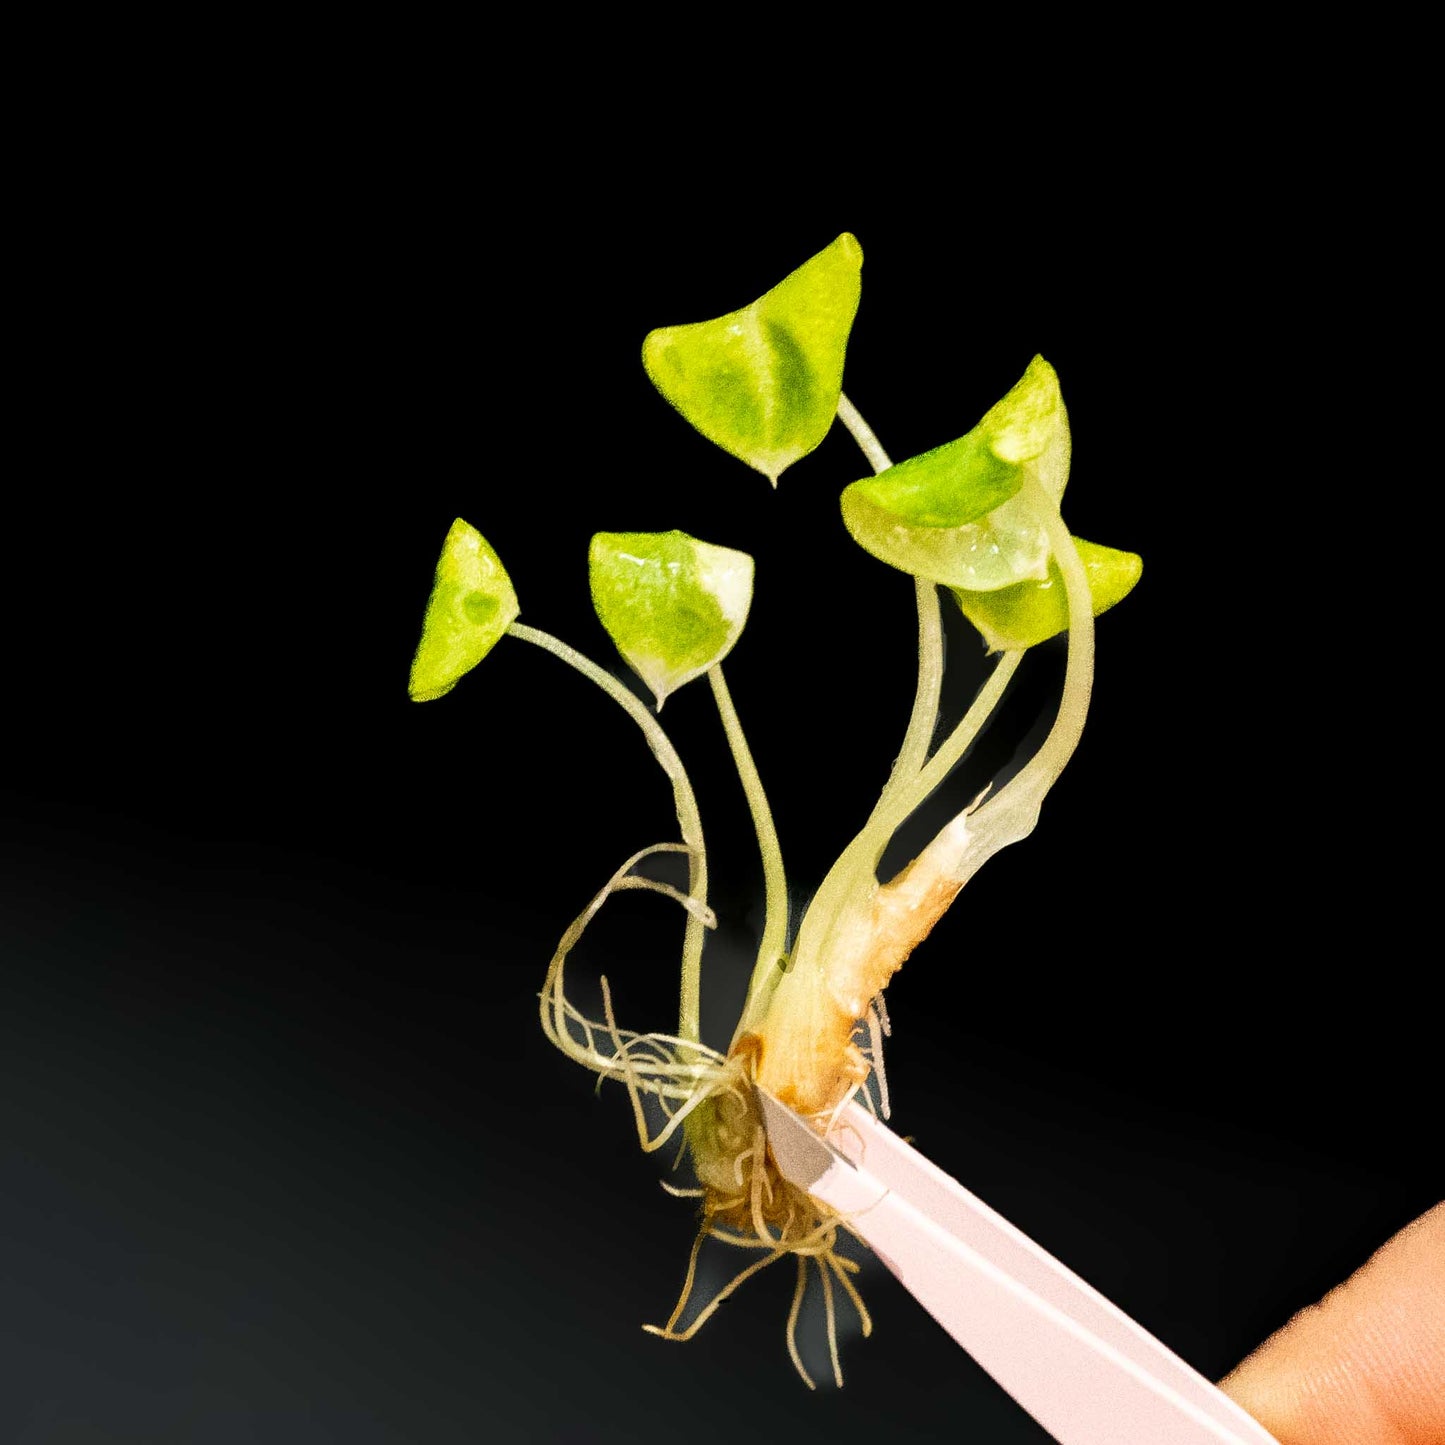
{"type": "Point", "coordinates": [845, 248]}
{"type": "Point", "coordinates": [419, 691]}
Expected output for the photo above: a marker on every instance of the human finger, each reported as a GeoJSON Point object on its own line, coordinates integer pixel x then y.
{"type": "Point", "coordinates": [1365, 1366]}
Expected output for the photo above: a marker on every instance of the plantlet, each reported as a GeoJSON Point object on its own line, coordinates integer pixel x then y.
{"type": "Point", "coordinates": [978, 516]}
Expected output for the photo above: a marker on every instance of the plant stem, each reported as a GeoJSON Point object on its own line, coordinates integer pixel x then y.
{"type": "Point", "coordinates": [857, 933]}
{"type": "Point", "coordinates": [1045, 766]}
{"type": "Point", "coordinates": [854, 871]}
{"type": "Point", "coordinates": [683, 800]}
{"type": "Point", "coordinates": [961, 848]}
{"type": "Point", "coordinates": [923, 722]}
{"type": "Point", "coordinates": [775, 916]}
{"type": "Point", "coordinates": [863, 434]}
{"type": "Point", "coordinates": [854, 875]}
{"type": "Point", "coordinates": [886, 821]}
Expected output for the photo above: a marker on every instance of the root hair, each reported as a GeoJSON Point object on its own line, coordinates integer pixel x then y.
{"type": "Point", "coordinates": [746, 1203]}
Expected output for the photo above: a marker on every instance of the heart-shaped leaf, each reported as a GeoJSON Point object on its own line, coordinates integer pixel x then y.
{"type": "Point", "coordinates": [471, 605]}
{"type": "Point", "coordinates": [1029, 612]}
{"type": "Point", "coordinates": [674, 606]}
{"type": "Point", "coordinates": [951, 514]}
{"type": "Point", "coordinates": [763, 382]}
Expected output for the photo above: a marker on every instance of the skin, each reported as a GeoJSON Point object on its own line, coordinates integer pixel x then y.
{"type": "Point", "coordinates": [1365, 1366]}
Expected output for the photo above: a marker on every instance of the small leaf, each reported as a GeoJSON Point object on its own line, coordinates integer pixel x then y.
{"type": "Point", "coordinates": [1029, 612]}
{"type": "Point", "coordinates": [763, 382]}
{"type": "Point", "coordinates": [674, 606]}
{"type": "Point", "coordinates": [951, 514]}
{"type": "Point", "coordinates": [471, 605]}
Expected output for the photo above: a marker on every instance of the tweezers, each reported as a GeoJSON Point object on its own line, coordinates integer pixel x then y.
{"type": "Point", "coordinates": [1078, 1364]}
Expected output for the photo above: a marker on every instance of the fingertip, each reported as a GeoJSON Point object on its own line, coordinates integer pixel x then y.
{"type": "Point", "coordinates": [1365, 1366]}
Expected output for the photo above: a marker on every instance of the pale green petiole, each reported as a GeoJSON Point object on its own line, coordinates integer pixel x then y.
{"type": "Point", "coordinates": [904, 789]}
{"type": "Point", "coordinates": [923, 722]}
{"type": "Point", "coordinates": [981, 830]}
{"type": "Point", "coordinates": [1045, 766]}
{"type": "Point", "coordinates": [972, 838]}
{"type": "Point", "coordinates": [863, 434]}
{"type": "Point", "coordinates": [688, 1026]}
{"type": "Point", "coordinates": [853, 878]}
{"type": "Point", "coordinates": [775, 884]}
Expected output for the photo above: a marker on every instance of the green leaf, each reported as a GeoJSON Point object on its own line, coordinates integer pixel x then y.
{"type": "Point", "coordinates": [947, 487]}
{"type": "Point", "coordinates": [951, 515]}
{"type": "Point", "coordinates": [471, 605]}
{"type": "Point", "coordinates": [1029, 612]}
{"type": "Point", "coordinates": [1030, 426]}
{"type": "Point", "coordinates": [674, 606]}
{"type": "Point", "coordinates": [763, 382]}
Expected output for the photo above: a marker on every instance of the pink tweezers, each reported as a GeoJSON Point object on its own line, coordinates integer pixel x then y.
{"type": "Point", "coordinates": [1077, 1363]}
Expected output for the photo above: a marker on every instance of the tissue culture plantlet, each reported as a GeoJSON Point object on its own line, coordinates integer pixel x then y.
{"type": "Point", "coordinates": [978, 516]}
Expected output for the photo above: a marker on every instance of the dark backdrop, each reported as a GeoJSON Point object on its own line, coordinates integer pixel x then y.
{"type": "Point", "coordinates": [283, 1154]}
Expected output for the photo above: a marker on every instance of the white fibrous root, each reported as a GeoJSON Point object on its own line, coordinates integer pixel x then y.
{"type": "Point", "coordinates": [745, 1202]}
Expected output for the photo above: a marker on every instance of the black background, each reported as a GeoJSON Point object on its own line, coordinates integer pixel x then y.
{"type": "Point", "coordinates": [285, 1155]}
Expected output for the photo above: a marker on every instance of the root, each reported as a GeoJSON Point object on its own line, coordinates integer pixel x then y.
{"type": "Point", "coordinates": [708, 1310]}
{"type": "Point", "coordinates": [877, 1029]}
{"type": "Point", "coordinates": [676, 1315]}
{"type": "Point", "coordinates": [746, 1203]}
{"type": "Point", "coordinates": [843, 1268]}
{"type": "Point", "coordinates": [832, 1320]}
{"type": "Point", "coordinates": [669, 1068]}
{"type": "Point", "coordinates": [818, 1244]}
{"type": "Point", "coordinates": [797, 1305]}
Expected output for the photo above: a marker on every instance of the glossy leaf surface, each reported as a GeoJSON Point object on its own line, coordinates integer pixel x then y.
{"type": "Point", "coordinates": [951, 514]}
{"type": "Point", "coordinates": [673, 606]}
{"type": "Point", "coordinates": [472, 604]}
{"type": "Point", "coordinates": [763, 382]}
{"type": "Point", "coordinates": [1029, 612]}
